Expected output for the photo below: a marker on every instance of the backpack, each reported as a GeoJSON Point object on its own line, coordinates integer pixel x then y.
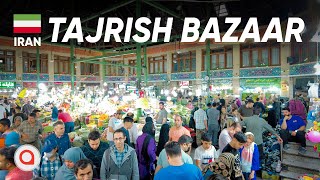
{"type": "Point", "coordinates": [297, 108]}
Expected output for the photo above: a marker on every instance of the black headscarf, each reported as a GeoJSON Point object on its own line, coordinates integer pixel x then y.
{"type": "Point", "coordinates": [163, 137]}
{"type": "Point", "coordinates": [149, 129]}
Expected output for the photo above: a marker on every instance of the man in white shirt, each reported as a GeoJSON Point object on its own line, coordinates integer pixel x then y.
{"type": "Point", "coordinates": [133, 131]}
{"type": "Point", "coordinates": [227, 134]}
{"type": "Point", "coordinates": [114, 124]}
{"type": "Point", "coordinates": [206, 153]}
{"type": "Point", "coordinates": [2, 112]}
{"type": "Point", "coordinates": [200, 118]}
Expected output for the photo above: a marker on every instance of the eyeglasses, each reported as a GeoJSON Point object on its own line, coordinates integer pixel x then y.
{"type": "Point", "coordinates": [118, 139]}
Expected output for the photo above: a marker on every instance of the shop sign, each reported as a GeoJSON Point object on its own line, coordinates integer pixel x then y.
{"type": "Point", "coordinates": [184, 83]}
{"type": "Point", "coordinates": [7, 85]}
{"type": "Point", "coordinates": [260, 82]}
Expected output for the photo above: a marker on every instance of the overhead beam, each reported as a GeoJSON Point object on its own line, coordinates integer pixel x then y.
{"type": "Point", "coordinates": [105, 56]}
{"type": "Point", "coordinates": [118, 5]}
{"type": "Point", "coordinates": [109, 63]}
{"type": "Point", "coordinates": [163, 8]}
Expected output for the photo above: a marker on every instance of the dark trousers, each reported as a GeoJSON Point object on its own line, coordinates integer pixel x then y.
{"type": "Point", "coordinates": [261, 153]}
{"type": "Point", "coordinates": [69, 127]}
{"type": "Point", "coordinates": [213, 130]}
{"type": "Point", "coordinates": [287, 137]}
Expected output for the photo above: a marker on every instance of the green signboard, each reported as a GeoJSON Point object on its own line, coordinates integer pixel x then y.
{"type": "Point", "coordinates": [7, 85]}
{"type": "Point", "coordinates": [260, 82]}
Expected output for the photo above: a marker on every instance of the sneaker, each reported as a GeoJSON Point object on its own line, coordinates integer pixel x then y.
{"type": "Point", "coordinates": [302, 150]}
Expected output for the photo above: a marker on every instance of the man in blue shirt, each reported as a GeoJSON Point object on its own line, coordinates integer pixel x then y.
{"type": "Point", "coordinates": [177, 169]}
{"type": "Point", "coordinates": [60, 137]}
{"type": "Point", "coordinates": [293, 129]}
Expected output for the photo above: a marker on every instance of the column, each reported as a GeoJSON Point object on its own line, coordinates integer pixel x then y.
{"type": "Point", "coordinates": [236, 69]}
{"type": "Point", "coordinates": [78, 73]}
{"type": "Point", "coordinates": [51, 67]}
{"type": "Point", "coordinates": [19, 66]}
{"type": "Point", "coordinates": [102, 73]}
{"type": "Point", "coordinates": [126, 70]}
{"type": "Point", "coordinates": [198, 70]}
{"type": "Point", "coordinates": [286, 82]}
{"type": "Point", "coordinates": [169, 65]}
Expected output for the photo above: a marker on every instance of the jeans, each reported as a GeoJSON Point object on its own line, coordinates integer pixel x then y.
{"type": "Point", "coordinates": [299, 138]}
{"type": "Point", "coordinates": [213, 130]}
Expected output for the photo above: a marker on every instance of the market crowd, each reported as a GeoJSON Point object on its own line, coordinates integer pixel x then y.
{"type": "Point", "coordinates": [228, 139]}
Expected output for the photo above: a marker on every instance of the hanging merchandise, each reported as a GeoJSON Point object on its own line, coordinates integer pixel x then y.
{"type": "Point", "coordinates": [313, 90]}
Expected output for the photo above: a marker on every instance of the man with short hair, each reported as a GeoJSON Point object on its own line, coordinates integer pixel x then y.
{"type": "Point", "coordinates": [120, 160]}
{"type": "Point", "coordinates": [257, 126]}
{"type": "Point", "coordinates": [247, 109]}
{"type": "Point", "coordinates": [177, 130]}
{"type": "Point", "coordinates": [161, 117]}
{"type": "Point", "coordinates": [293, 129]}
{"type": "Point", "coordinates": [177, 169]}
{"type": "Point", "coordinates": [206, 153]}
{"type": "Point", "coordinates": [4, 127]}
{"type": "Point", "coordinates": [200, 117]}
{"type": "Point", "coordinates": [60, 136]}
{"type": "Point", "coordinates": [259, 104]}
{"type": "Point", "coordinates": [31, 131]}
{"type": "Point", "coordinates": [67, 120]}
{"type": "Point", "coordinates": [37, 112]}
{"type": "Point", "coordinates": [83, 169]}
{"type": "Point", "coordinates": [7, 163]}
{"type": "Point", "coordinates": [133, 131]}
{"type": "Point", "coordinates": [185, 142]}
{"type": "Point", "coordinates": [226, 135]}
{"type": "Point", "coordinates": [127, 124]}
{"type": "Point", "coordinates": [238, 140]}
{"type": "Point", "coordinates": [94, 150]}
{"type": "Point", "coordinates": [114, 124]}
{"type": "Point", "coordinates": [213, 123]}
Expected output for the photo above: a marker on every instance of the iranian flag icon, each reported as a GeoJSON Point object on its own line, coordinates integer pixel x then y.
{"type": "Point", "coordinates": [27, 23]}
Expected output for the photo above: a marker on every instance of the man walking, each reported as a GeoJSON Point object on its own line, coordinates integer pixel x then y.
{"type": "Point", "coordinates": [213, 123]}
{"type": "Point", "coordinates": [120, 160]}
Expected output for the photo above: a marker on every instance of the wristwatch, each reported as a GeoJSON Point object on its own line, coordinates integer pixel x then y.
{"type": "Point", "coordinates": [296, 131]}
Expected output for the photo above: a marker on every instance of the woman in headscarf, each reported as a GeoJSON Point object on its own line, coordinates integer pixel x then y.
{"type": "Point", "coordinates": [71, 156]}
{"type": "Point", "coordinates": [146, 151]}
{"type": "Point", "coordinates": [163, 137]}
{"type": "Point", "coordinates": [249, 156]}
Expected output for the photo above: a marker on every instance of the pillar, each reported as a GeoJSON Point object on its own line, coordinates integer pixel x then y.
{"type": "Point", "coordinates": [236, 69]}
{"type": "Point", "coordinates": [169, 65]}
{"type": "Point", "coordinates": [51, 67]}
{"type": "Point", "coordinates": [198, 70]}
{"type": "Point", "coordinates": [126, 70]}
{"type": "Point", "coordinates": [19, 66]}
{"type": "Point", "coordinates": [286, 82]}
